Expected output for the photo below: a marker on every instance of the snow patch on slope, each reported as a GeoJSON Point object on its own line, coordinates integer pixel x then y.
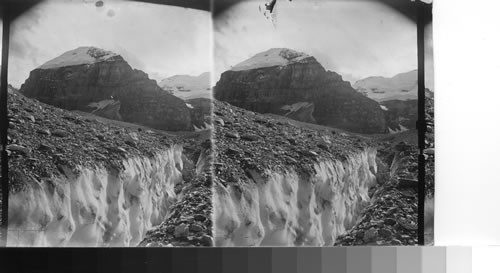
{"type": "Point", "coordinates": [205, 126]}
{"type": "Point", "coordinates": [79, 56]}
{"type": "Point", "coordinates": [102, 104]}
{"type": "Point", "coordinates": [296, 107]}
{"type": "Point", "coordinates": [271, 57]}
{"type": "Point", "coordinates": [400, 129]}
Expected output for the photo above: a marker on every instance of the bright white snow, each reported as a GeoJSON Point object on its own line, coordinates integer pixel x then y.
{"type": "Point", "coordinates": [271, 57]}
{"type": "Point", "coordinates": [79, 56]}
{"type": "Point", "coordinates": [399, 130]}
{"type": "Point", "coordinates": [97, 207]}
{"type": "Point", "coordinates": [101, 104]}
{"type": "Point", "coordinates": [402, 128]}
{"type": "Point", "coordinates": [296, 106]}
{"type": "Point", "coordinates": [288, 209]}
{"type": "Point", "coordinates": [205, 126]}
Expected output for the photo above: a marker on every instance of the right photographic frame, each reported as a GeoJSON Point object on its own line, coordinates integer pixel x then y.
{"type": "Point", "coordinates": [323, 135]}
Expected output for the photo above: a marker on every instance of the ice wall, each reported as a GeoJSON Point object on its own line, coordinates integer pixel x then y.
{"type": "Point", "coordinates": [290, 209]}
{"type": "Point", "coordinates": [96, 207]}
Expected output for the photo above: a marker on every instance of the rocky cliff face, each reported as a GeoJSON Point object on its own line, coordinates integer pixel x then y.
{"type": "Point", "coordinates": [81, 78]}
{"type": "Point", "coordinates": [275, 79]}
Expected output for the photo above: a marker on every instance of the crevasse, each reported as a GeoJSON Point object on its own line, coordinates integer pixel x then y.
{"type": "Point", "coordinates": [97, 207]}
{"type": "Point", "coordinates": [289, 209]}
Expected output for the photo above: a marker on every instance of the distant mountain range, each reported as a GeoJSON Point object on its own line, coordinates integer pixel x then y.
{"type": "Point", "coordinates": [188, 87]}
{"type": "Point", "coordinates": [403, 86]}
{"type": "Point", "coordinates": [398, 97]}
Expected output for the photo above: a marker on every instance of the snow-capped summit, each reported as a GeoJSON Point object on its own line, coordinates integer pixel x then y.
{"type": "Point", "coordinates": [271, 57]}
{"type": "Point", "coordinates": [188, 87]}
{"type": "Point", "coordinates": [79, 56]}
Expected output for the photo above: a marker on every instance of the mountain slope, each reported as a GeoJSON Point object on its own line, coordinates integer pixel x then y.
{"type": "Point", "coordinates": [276, 80]}
{"type": "Point", "coordinates": [84, 78]}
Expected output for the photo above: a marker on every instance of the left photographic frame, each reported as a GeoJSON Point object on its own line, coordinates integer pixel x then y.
{"type": "Point", "coordinates": [109, 136]}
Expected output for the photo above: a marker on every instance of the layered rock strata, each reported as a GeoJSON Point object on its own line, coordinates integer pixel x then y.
{"type": "Point", "coordinates": [275, 80]}
{"type": "Point", "coordinates": [86, 78]}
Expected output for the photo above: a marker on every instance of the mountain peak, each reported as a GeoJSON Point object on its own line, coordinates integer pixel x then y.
{"type": "Point", "coordinates": [271, 57]}
{"type": "Point", "coordinates": [79, 56]}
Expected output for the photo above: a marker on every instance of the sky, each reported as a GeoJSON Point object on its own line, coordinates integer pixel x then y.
{"type": "Point", "coordinates": [356, 39]}
{"type": "Point", "coordinates": [160, 40]}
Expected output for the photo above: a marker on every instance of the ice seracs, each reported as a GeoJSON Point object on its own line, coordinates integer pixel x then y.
{"type": "Point", "coordinates": [271, 57]}
{"type": "Point", "coordinates": [79, 56]}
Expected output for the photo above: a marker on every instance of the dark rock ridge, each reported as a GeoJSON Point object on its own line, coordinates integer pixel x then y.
{"type": "Point", "coordinates": [190, 222]}
{"type": "Point", "coordinates": [201, 110]}
{"type": "Point", "coordinates": [404, 112]}
{"type": "Point", "coordinates": [87, 75]}
{"type": "Point", "coordinates": [401, 113]}
{"type": "Point", "coordinates": [276, 79]}
{"type": "Point", "coordinates": [429, 169]}
{"type": "Point", "coordinates": [392, 218]}
{"type": "Point", "coordinates": [397, 95]}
